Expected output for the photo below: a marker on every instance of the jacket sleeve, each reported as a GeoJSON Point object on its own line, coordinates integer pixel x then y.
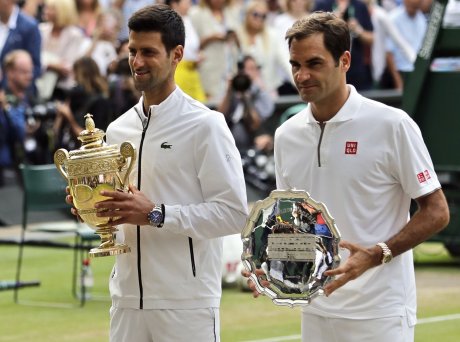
{"type": "Point", "coordinates": [219, 170]}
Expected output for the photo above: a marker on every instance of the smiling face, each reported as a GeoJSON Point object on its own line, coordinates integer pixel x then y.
{"type": "Point", "coordinates": [151, 65]}
{"type": "Point", "coordinates": [319, 79]}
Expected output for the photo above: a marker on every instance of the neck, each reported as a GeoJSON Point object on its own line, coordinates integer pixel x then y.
{"type": "Point", "coordinates": [155, 97]}
{"type": "Point", "coordinates": [326, 109]}
{"type": "Point", "coordinates": [5, 16]}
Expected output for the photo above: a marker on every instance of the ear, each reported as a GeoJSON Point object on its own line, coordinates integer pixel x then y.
{"type": "Point", "coordinates": [177, 54]}
{"type": "Point", "coordinates": [345, 61]}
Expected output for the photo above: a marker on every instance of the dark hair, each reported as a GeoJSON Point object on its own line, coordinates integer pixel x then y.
{"type": "Point", "coordinates": [160, 18]}
{"type": "Point", "coordinates": [336, 35]}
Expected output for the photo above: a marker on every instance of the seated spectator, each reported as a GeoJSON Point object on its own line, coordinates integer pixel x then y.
{"type": "Point", "coordinates": [16, 105]}
{"type": "Point", "coordinates": [90, 95]}
{"type": "Point", "coordinates": [246, 104]}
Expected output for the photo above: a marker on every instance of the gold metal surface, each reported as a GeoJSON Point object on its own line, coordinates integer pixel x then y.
{"type": "Point", "coordinates": [96, 166]}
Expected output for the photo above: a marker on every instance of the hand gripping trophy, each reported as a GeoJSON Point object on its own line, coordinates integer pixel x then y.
{"type": "Point", "coordinates": [96, 166]}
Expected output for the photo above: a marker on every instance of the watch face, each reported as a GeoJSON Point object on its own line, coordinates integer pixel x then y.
{"type": "Point", "coordinates": [155, 216]}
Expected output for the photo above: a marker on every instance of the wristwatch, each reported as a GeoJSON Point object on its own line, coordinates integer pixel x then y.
{"type": "Point", "coordinates": [387, 255]}
{"type": "Point", "coordinates": [156, 216]}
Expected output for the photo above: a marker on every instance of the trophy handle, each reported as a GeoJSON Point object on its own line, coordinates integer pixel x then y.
{"type": "Point", "coordinates": [60, 156]}
{"type": "Point", "coordinates": [128, 150]}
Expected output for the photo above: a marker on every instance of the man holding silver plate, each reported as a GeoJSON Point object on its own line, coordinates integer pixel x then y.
{"type": "Point", "coordinates": [365, 161]}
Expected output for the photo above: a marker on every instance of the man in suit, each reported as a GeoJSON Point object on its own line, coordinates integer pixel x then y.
{"type": "Point", "coordinates": [19, 31]}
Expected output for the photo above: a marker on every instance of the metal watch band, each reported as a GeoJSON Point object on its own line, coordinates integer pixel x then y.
{"type": "Point", "coordinates": [387, 255]}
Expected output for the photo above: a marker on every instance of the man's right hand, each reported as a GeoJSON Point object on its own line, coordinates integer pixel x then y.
{"type": "Point", "coordinates": [69, 200]}
{"type": "Point", "coordinates": [259, 273]}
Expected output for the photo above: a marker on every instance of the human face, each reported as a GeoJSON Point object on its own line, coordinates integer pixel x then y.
{"type": "Point", "coordinates": [317, 76]}
{"type": "Point", "coordinates": [22, 73]}
{"type": "Point", "coordinates": [256, 17]}
{"type": "Point", "coordinates": [151, 66]}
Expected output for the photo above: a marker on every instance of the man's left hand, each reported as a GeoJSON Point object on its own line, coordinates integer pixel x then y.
{"type": "Point", "coordinates": [360, 260]}
{"type": "Point", "coordinates": [127, 207]}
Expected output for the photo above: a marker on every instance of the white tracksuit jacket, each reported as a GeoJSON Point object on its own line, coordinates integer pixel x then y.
{"type": "Point", "coordinates": [186, 159]}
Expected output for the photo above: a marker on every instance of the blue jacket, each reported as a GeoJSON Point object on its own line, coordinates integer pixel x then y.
{"type": "Point", "coordinates": [25, 36]}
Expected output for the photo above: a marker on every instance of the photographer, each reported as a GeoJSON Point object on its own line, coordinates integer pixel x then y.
{"type": "Point", "coordinates": [246, 105]}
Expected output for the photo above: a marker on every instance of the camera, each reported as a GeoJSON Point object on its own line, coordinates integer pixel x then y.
{"type": "Point", "coordinates": [241, 82]}
{"type": "Point", "coordinates": [42, 110]}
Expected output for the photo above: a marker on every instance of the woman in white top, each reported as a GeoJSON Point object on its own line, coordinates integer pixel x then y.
{"type": "Point", "coordinates": [63, 42]}
{"type": "Point", "coordinates": [215, 22]}
{"type": "Point", "coordinates": [264, 45]}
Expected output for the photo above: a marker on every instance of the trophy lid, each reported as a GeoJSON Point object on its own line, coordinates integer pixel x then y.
{"type": "Point", "coordinates": [91, 137]}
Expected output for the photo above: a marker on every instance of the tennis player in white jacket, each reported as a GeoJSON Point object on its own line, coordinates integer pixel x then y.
{"type": "Point", "coordinates": [188, 191]}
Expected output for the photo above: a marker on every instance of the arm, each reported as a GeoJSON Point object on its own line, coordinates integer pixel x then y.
{"type": "Point", "coordinates": [431, 217]}
{"type": "Point", "coordinates": [391, 65]}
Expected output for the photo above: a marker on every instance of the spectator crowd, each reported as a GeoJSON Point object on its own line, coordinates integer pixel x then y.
{"type": "Point", "coordinates": [61, 59]}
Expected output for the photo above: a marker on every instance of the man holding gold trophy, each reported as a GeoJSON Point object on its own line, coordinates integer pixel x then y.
{"type": "Point", "coordinates": [189, 192]}
{"type": "Point", "coordinates": [365, 161]}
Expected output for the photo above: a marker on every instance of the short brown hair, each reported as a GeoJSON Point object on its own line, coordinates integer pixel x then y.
{"type": "Point", "coordinates": [336, 34]}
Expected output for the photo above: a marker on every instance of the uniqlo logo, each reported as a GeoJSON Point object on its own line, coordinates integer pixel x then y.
{"type": "Point", "coordinates": [427, 174]}
{"type": "Point", "coordinates": [421, 177]}
{"type": "Point", "coordinates": [351, 147]}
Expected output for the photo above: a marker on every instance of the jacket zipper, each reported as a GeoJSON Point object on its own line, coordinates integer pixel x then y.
{"type": "Point", "coordinates": [138, 230]}
{"type": "Point", "coordinates": [192, 256]}
{"type": "Point", "coordinates": [322, 125]}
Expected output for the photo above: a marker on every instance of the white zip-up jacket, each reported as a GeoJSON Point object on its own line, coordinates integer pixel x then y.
{"type": "Point", "coordinates": [187, 160]}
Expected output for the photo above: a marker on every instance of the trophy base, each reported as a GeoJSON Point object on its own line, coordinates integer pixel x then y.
{"type": "Point", "coordinates": [108, 251]}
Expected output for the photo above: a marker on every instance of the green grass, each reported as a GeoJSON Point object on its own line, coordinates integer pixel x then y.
{"type": "Point", "coordinates": [242, 317]}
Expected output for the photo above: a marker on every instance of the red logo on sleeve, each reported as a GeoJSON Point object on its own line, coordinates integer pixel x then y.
{"type": "Point", "coordinates": [423, 176]}
{"type": "Point", "coordinates": [351, 147]}
{"type": "Point", "coordinates": [427, 174]}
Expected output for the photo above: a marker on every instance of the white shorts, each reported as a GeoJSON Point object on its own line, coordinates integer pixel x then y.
{"type": "Point", "coordinates": [325, 329]}
{"type": "Point", "coordinates": [200, 325]}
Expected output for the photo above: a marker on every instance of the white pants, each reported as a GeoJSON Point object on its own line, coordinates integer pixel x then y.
{"type": "Point", "coordinates": [200, 325]}
{"type": "Point", "coordinates": [325, 329]}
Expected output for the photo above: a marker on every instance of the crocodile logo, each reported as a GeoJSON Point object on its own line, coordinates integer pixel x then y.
{"type": "Point", "coordinates": [165, 145]}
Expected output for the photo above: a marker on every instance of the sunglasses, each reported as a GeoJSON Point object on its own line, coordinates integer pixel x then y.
{"type": "Point", "coordinates": [259, 15]}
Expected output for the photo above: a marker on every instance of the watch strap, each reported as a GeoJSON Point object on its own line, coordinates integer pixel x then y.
{"type": "Point", "coordinates": [387, 256]}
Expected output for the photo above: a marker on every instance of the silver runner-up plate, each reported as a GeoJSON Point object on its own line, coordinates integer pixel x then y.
{"type": "Point", "coordinates": [294, 240]}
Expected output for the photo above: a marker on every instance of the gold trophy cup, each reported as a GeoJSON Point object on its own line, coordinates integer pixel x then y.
{"type": "Point", "coordinates": [96, 166]}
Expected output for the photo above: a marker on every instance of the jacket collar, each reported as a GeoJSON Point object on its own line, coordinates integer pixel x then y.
{"type": "Point", "coordinates": [346, 113]}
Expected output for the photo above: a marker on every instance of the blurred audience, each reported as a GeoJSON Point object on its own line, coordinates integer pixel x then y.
{"type": "Point", "coordinates": [88, 12]}
{"type": "Point", "coordinates": [187, 76]}
{"type": "Point", "coordinates": [356, 14]}
{"type": "Point", "coordinates": [265, 45]}
{"type": "Point", "coordinates": [216, 22]}
{"type": "Point", "coordinates": [90, 95]}
{"type": "Point", "coordinates": [63, 43]}
{"type": "Point", "coordinates": [104, 42]}
{"type": "Point", "coordinates": [385, 30]}
{"type": "Point", "coordinates": [411, 24]}
{"type": "Point", "coordinates": [19, 31]}
{"type": "Point", "coordinates": [295, 9]}
{"type": "Point", "coordinates": [246, 104]}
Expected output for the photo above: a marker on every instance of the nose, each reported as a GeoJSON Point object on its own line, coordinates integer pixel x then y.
{"type": "Point", "coordinates": [303, 74]}
{"type": "Point", "coordinates": [136, 60]}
